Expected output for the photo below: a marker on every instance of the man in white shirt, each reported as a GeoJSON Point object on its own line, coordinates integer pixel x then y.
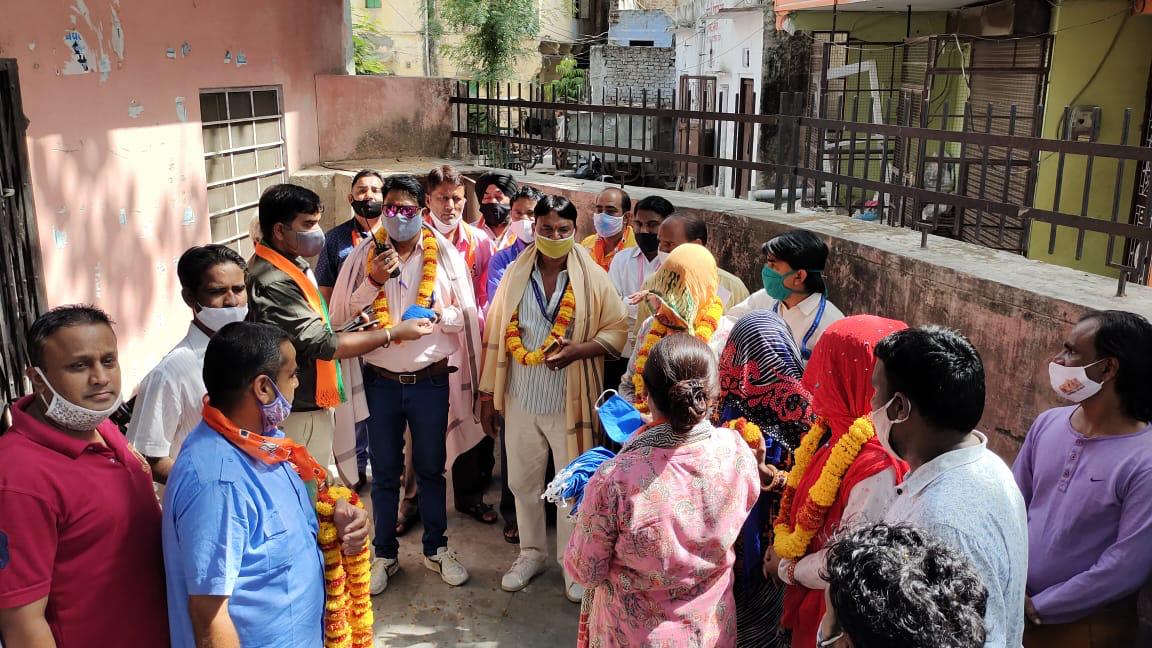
{"type": "Point", "coordinates": [929, 395]}
{"type": "Point", "coordinates": [631, 267]}
{"type": "Point", "coordinates": [169, 400]}
{"type": "Point", "coordinates": [425, 385]}
{"type": "Point", "coordinates": [794, 288]}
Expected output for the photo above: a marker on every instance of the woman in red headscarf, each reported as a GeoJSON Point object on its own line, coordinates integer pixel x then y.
{"type": "Point", "coordinates": [840, 475]}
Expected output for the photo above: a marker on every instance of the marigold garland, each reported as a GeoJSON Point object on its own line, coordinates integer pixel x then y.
{"type": "Point", "coordinates": [748, 431]}
{"type": "Point", "coordinates": [704, 328]}
{"type": "Point", "coordinates": [348, 601]}
{"type": "Point", "coordinates": [793, 536]}
{"type": "Point", "coordinates": [427, 280]}
{"type": "Point", "coordinates": [514, 343]}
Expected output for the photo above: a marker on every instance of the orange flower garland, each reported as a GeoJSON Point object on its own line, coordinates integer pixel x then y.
{"type": "Point", "coordinates": [427, 280]}
{"type": "Point", "coordinates": [348, 601]}
{"type": "Point", "coordinates": [748, 430]}
{"type": "Point", "coordinates": [704, 328]}
{"type": "Point", "coordinates": [514, 344]}
{"type": "Point", "coordinates": [794, 535]}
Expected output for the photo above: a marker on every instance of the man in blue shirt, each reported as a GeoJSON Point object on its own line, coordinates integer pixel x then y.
{"type": "Point", "coordinates": [240, 551]}
{"type": "Point", "coordinates": [367, 201]}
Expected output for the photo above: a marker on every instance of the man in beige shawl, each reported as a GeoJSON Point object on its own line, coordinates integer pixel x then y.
{"type": "Point", "coordinates": [427, 385]}
{"type": "Point", "coordinates": [544, 380]}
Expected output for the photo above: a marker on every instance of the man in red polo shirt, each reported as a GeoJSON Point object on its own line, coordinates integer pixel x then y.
{"type": "Point", "coordinates": [80, 550]}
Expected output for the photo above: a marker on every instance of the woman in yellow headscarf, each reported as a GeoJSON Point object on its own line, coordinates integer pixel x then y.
{"type": "Point", "coordinates": [683, 299]}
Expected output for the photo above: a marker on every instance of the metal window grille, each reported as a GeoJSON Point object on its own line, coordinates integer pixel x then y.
{"type": "Point", "coordinates": [243, 132]}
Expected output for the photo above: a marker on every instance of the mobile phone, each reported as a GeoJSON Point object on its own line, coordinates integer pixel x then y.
{"type": "Point", "coordinates": [551, 344]}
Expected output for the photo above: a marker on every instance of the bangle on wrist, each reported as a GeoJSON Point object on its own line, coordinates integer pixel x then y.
{"type": "Point", "coordinates": [790, 573]}
{"type": "Point", "coordinates": [373, 281]}
{"type": "Point", "coordinates": [388, 342]}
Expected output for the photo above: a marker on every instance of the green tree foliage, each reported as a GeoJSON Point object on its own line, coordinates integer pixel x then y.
{"type": "Point", "coordinates": [495, 34]}
{"type": "Point", "coordinates": [364, 53]}
{"type": "Point", "coordinates": [571, 82]}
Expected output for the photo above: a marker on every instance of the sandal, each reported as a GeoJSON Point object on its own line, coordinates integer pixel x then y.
{"type": "Point", "coordinates": [511, 533]}
{"type": "Point", "coordinates": [481, 512]}
{"type": "Point", "coordinates": [404, 523]}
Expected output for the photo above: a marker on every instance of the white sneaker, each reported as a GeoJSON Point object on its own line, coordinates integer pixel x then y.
{"type": "Point", "coordinates": [574, 592]}
{"type": "Point", "coordinates": [382, 569]}
{"type": "Point", "coordinates": [445, 564]}
{"type": "Point", "coordinates": [529, 564]}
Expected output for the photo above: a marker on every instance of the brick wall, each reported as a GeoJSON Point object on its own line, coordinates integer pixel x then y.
{"type": "Point", "coordinates": [632, 68]}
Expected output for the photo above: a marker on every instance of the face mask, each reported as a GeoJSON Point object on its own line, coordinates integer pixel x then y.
{"type": "Point", "coordinates": [647, 242]}
{"type": "Point", "coordinates": [608, 225]}
{"type": "Point", "coordinates": [495, 214]}
{"type": "Point", "coordinates": [774, 283]}
{"type": "Point", "coordinates": [883, 425]}
{"type": "Point", "coordinates": [218, 318]}
{"type": "Point", "coordinates": [308, 244]}
{"type": "Point", "coordinates": [370, 209]}
{"type": "Point", "coordinates": [619, 418]}
{"type": "Point", "coordinates": [71, 416]}
{"type": "Point", "coordinates": [555, 249]}
{"type": "Point", "coordinates": [275, 413]}
{"type": "Point", "coordinates": [447, 228]}
{"type": "Point", "coordinates": [403, 228]}
{"type": "Point", "coordinates": [525, 230]}
{"type": "Point", "coordinates": [1072, 383]}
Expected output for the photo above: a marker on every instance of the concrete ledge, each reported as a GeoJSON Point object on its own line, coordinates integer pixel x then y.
{"type": "Point", "coordinates": [1016, 311]}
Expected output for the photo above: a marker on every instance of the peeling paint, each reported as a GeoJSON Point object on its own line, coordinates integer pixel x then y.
{"type": "Point", "coordinates": [181, 109]}
{"type": "Point", "coordinates": [189, 216]}
{"type": "Point", "coordinates": [117, 34]}
{"type": "Point", "coordinates": [134, 110]}
{"type": "Point", "coordinates": [171, 53]}
{"type": "Point", "coordinates": [32, 46]}
{"type": "Point", "coordinates": [227, 57]}
{"type": "Point", "coordinates": [105, 67]}
{"type": "Point", "coordinates": [185, 49]}
{"type": "Point", "coordinates": [98, 280]}
{"type": "Point", "coordinates": [123, 216]}
{"type": "Point", "coordinates": [60, 238]}
{"type": "Point", "coordinates": [241, 59]}
{"type": "Point", "coordinates": [79, 63]}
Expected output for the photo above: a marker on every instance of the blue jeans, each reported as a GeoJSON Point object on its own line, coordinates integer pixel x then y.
{"type": "Point", "coordinates": [362, 445]}
{"type": "Point", "coordinates": [424, 408]}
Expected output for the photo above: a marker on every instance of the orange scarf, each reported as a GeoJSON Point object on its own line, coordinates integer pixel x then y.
{"type": "Point", "coordinates": [329, 382]}
{"type": "Point", "coordinates": [269, 450]}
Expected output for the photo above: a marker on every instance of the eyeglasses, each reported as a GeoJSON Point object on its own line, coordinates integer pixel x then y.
{"type": "Point", "coordinates": [822, 642]}
{"type": "Point", "coordinates": [407, 211]}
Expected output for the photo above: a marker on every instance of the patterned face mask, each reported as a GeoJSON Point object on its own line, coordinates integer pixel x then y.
{"type": "Point", "coordinates": [71, 416]}
{"type": "Point", "coordinates": [273, 415]}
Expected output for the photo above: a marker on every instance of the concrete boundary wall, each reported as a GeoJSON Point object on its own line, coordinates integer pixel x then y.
{"type": "Point", "coordinates": [1015, 311]}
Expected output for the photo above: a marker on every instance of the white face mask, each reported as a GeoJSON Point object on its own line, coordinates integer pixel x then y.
{"type": "Point", "coordinates": [449, 227]}
{"type": "Point", "coordinates": [883, 425]}
{"type": "Point", "coordinates": [71, 416]}
{"type": "Point", "coordinates": [608, 225]}
{"type": "Point", "coordinates": [217, 318]}
{"type": "Point", "coordinates": [1072, 383]}
{"type": "Point", "coordinates": [525, 230]}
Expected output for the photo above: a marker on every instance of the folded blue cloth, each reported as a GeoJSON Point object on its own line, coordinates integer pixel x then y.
{"type": "Point", "coordinates": [568, 485]}
{"type": "Point", "coordinates": [418, 312]}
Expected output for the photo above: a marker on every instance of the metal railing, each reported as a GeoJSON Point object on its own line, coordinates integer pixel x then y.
{"type": "Point", "coordinates": [958, 176]}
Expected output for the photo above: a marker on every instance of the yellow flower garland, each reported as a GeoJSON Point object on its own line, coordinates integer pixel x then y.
{"type": "Point", "coordinates": [794, 535]}
{"type": "Point", "coordinates": [348, 601]}
{"type": "Point", "coordinates": [427, 280]}
{"type": "Point", "coordinates": [748, 431]}
{"type": "Point", "coordinates": [704, 328]}
{"type": "Point", "coordinates": [514, 343]}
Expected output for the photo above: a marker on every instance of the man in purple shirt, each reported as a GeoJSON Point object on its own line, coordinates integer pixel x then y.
{"type": "Point", "coordinates": [1086, 474]}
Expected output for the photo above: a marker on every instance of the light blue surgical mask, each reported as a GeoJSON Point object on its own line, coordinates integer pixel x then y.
{"type": "Point", "coordinates": [403, 228]}
{"type": "Point", "coordinates": [619, 418]}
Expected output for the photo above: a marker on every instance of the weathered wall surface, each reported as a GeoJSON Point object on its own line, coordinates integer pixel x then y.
{"type": "Point", "coordinates": [1014, 310]}
{"type": "Point", "coordinates": [115, 145]}
{"type": "Point", "coordinates": [632, 68]}
{"type": "Point", "coordinates": [362, 117]}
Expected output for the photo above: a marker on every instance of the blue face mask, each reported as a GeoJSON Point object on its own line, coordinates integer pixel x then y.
{"type": "Point", "coordinates": [273, 415]}
{"type": "Point", "coordinates": [403, 228]}
{"type": "Point", "coordinates": [619, 418]}
{"type": "Point", "coordinates": [774, 283]}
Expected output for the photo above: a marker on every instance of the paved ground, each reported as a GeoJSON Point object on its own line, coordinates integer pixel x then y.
{"type": "Point", "coordinates": [419, 610]}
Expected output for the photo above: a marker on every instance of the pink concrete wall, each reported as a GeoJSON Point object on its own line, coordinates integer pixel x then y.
{"type": "Point", "coordinates": [371, 117]}
{"type": "Point", "coordinates": [118, 197]}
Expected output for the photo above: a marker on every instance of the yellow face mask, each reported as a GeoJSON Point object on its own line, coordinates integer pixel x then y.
{"type": "Point", "coordinates": [555, 248]}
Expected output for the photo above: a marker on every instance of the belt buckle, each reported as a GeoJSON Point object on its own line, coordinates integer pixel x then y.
{"type": "Point", "coordinates": [407, 379]}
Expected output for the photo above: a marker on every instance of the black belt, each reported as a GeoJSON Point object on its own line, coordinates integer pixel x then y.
{"type": "Point", "coordinates": [440, 368]}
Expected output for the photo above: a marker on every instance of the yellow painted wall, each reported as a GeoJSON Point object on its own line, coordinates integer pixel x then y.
{"type": "Point", "coordinates": [403, 22]}
{"type": "Point", "coordinates": [1122, 83]}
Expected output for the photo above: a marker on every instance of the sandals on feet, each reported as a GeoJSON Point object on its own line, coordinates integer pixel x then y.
{"type": "Point", "coordinates": [481, 512]}
{"type": "Point", "coordinates": [404, 523]}
{"type": "Point", "coordinates": [511, 533]}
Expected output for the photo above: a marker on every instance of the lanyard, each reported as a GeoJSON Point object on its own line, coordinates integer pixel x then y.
{"type": "Point", "coordinates": [805, 350]}
{"type": "Point", "coordinates": [538, 292]}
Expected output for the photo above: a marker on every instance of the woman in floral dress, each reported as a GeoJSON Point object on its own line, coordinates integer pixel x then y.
{"type": "Point", "coordinates": [654, 534]}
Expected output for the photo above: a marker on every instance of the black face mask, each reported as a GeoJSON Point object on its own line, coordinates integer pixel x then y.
{"type": "Point", "coordinates": [495, 213]}
{"type": "Point", "coordinates": [368, 208]}
{"type": "Point", "coordinates": [647, 242]}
